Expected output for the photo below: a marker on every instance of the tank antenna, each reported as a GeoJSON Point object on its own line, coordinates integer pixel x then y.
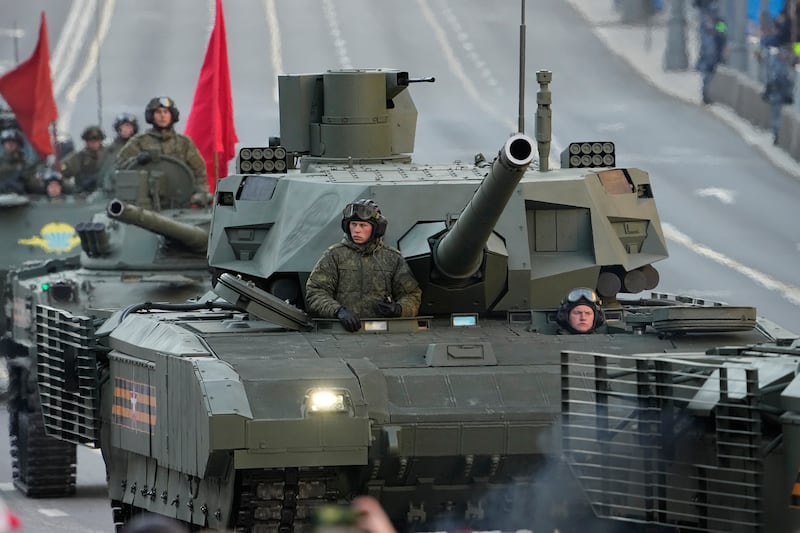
{"type": "Point", "coordinates": [544, 118]}
{"type": "Point", "coordinates": [99, 74]}
{"type": "Point", "coordinates": [521, 117]}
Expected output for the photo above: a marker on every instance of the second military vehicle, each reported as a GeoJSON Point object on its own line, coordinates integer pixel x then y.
{"type": "Point", "coordinates": [253, 415]}
{"type": "Point", "coordinates": [129, 254]}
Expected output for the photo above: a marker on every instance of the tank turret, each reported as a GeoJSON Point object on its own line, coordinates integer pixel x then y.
{"type": "Point", "coordinates": [190, 236]}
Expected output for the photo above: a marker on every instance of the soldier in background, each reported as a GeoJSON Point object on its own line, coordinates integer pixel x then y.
{"type": "Point", "coordinates": [361, 276]}
{"type": "Point", "coordinates": [17, 175]}
{"type": "Point", "coordinates": [779, 88]}
{"type": "Point", "coordinates": [53, 184]}
{"type": "Point", "coordinates": [126, 126]}
{"type": "Point", "coordinates": [162, 138]}
{"type": "Point", "coordinates": [85, 168]}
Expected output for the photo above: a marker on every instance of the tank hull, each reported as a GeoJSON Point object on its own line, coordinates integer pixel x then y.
{"type": "Point", "coordinates": [445, 427]}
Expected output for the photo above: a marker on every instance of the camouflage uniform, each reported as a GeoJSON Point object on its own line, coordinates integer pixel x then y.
{"type": "Point", "coordinates": [358, 277]}
{"type": "Point", "coordinates": [17, 175]}
{"type": "Point", "coordinates": [116, 146]}
{"type": "Point", "coordinates": [168, 142]}
{"type": "Point", "coordinates": [86, 167]}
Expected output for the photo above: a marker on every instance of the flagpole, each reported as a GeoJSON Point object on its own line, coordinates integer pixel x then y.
{"type": "Point", "coordinates": [216, 170]}
{"type": "Point", "coordinates": [54, 140]}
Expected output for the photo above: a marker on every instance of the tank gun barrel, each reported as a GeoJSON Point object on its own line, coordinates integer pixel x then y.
{"type": "Point", "coordinates": [190, 236]}
{"type": "Point", "coordinates": [424, 79]}
{"type": "Point", "coordinates": [459, 253]}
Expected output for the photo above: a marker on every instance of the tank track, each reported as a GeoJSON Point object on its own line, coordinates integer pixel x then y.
{"type": "Point", "coordinates": [41, 466]}
{"type": "Point", "coordinates": [283, 500]}
{"type": "Point", "coordinates": [269, 501]}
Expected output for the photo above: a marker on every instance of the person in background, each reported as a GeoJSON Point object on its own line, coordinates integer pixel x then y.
{"type": "Point", "coordinates": [53, 184]}
{"type": "Point", "coordinates": [126, 126]}
{"type": "Point", "coordinates": [580, 311]}
{"type": "Point", "coordinates": [713, 37]}
{"type": "Point", "coordinates": [162, 113]}
{"type": "Point", "coordinates": [17, 175]}
{"type": "Point", "coordinates": [361, 276]}
{"type": "Point", "coordinates": [779, 87]}
{"type": "Point", "coordinates": [84, 169]}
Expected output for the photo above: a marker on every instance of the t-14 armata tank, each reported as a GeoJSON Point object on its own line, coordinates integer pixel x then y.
{"type": "Point", "coordinates": [251, 416]}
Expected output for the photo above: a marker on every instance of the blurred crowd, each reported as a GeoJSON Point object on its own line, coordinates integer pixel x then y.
{"type": "Point", "coordinates": [776, 54]}
{"type": "Point", "coordinates": [82, 172]}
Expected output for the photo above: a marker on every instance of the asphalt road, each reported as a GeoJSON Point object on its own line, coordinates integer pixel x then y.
{"type": "Point", "coordinates": [730, 214]}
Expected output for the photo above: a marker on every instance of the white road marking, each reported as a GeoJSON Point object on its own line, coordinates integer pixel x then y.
{"type": "Point", "coordinates": [90, 65]}
{"type": "Point", "coordinates": [7, 487]}
{"type": "Point", "coordinates": [52, 513]}
{"type": "Point", "coordinates": [726, 196]}
{"type": "Point", "coordinates": [70, 42]}
{"type": "Point", "coordinates": [788, 292]}
{"type": "Point", "coordinates": [276, 52]}
{"type": "Point", "coordinates": [458, 69]}
{"type": "Point", "coordinates": [481, 66]}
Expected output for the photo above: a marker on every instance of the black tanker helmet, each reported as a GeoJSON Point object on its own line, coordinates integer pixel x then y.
{"type": "Point", "coordinates": [365, 210]}
{"type": "Point", "coordinates": [126, 118]}
{"type": "Point", "coordinates": [574, 298]}
{"type": "Point", "coordinates": [161, 101]}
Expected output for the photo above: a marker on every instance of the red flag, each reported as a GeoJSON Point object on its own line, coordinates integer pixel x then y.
{"type": "Point", "coordinates": [28, 90]}
{"type": "Point", "coordinates": [210, 122]}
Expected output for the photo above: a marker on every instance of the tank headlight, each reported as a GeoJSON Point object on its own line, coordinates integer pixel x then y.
{"type": "Point", "coordinates": [327, 401]}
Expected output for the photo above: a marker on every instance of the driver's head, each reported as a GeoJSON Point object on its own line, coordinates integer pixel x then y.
{"type": "Point", "coordinates": [580, 311]}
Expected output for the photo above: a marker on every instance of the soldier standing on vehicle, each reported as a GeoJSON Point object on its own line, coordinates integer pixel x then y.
{"type": "Point", "coordinates": [779, 89]}
{"type": "Point", "coordinates": [85, 168]}
{"type": "Point", "coordinates": [17, 175]}
{"type": "Point", "coordinates": [126, 125]}
{"type": "Point", "coordinates": [162, 139]}
{"type": "Point", "coordinates": [361, 276]}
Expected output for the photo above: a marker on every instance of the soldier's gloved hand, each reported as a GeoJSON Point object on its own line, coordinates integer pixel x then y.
{"type": "Point", "coordinates": [143, 158]}
{"type": "Point", "coordinates": [389, 309]}
{"type": "Point", "coordinates": [348, 319]}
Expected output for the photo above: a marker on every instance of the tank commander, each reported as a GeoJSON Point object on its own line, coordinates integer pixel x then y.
{"type": "Point", "coordinates": [84, 169]}
{"type": "Point", "coordinates": [361, 276]}
{"type": "Point", "coordinates": [126, 126]}
{"type": "Point", "coordinates": [17, 175]}
{"type": "Point", "coordinates": [162, 138]}
{"type": "Point", "coordinates": [580, 311]}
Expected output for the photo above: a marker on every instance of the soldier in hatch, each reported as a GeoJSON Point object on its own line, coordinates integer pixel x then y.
{"type": "Point", "coordinates": [85, 168]}
{"type": "Point", "coordinates": [16, 174]}
{"type": "Point", "coordinates": [361, 276]}
{"type": "Point", "coordinates": [580, 311]}
{"type": "Point", "coordinates": [162, 139]}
